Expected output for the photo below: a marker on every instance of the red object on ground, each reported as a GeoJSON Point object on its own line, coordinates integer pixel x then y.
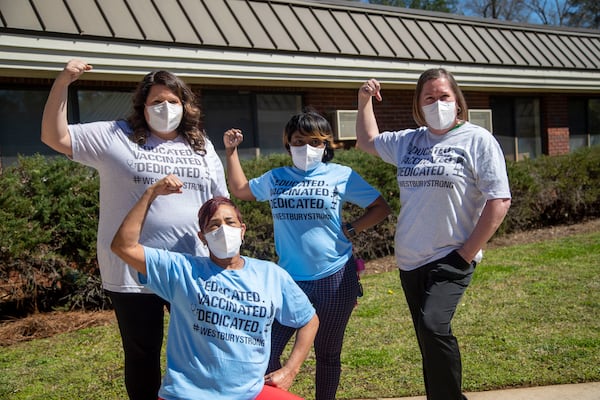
{"type": "Point", "coordinates": [273, 393]}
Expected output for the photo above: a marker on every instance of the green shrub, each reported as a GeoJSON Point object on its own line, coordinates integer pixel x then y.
{"type": "Point", "coordinates": [554, 190]}
{"type": "Point", "coordinates": [49, 206]}
{"type": "Point", "coordinates": [49, 209]}
{"type": "Point", "coordinates": [49, 212]}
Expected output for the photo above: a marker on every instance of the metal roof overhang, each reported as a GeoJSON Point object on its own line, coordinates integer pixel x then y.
{"type": "Point", "coordinates": [43, 57]}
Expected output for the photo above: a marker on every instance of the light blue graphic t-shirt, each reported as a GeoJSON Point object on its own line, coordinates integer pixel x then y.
{"type": "Point", "coordinates": [219, 337]}
{"type": "Point", "coordinates": [307, 215]}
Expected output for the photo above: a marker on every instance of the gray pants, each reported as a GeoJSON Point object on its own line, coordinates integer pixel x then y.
{"type": "Point", "coordinates": [432, 292]}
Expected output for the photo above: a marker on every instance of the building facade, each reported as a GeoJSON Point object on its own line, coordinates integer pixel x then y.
{"type": "Point", "coordinates": [253, 63]}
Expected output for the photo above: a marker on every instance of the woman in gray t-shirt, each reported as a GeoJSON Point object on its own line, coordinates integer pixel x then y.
{"type": "Point", "coordinates": [454, 194]}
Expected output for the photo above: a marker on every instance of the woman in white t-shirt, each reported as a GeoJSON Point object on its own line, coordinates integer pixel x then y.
{"type": "Point", "coordinates": [454, 195]}
{"type": "Point", "coordinates": [160, 137]}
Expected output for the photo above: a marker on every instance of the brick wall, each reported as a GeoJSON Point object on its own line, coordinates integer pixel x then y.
{"type": "Point", "coordinates": [555, 123]}
{"type": "Point", "coordinates": [558, 141]}
{"type": "Point", "coordinates": [393, 113]}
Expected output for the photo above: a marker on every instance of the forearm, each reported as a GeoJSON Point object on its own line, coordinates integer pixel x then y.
{"type": "Point", "coordinates": [126, 242]}
{"type": "Point", "coordinates": [366, 125]}
{"type": "Point", "coordinates": [491, 217]}
{"type": "Point", "coordinates": [374, 214]}
{"type": "Point", "coordinates": [238, 183]}
{"type": "Point", "coordinates": [130, 230]}
{"type": "Point", "coordinates": [305, 337]}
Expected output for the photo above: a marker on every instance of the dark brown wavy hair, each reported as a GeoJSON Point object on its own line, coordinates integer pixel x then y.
{"type": "Point", "coordinates": [189, 127]}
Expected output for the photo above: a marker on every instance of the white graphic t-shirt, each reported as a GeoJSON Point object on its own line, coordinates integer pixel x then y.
{"type": "Point", "coordinates": [126, 170]}
{"type": "Point", "coordinates": [219, 338]}
{"type": "Point", "coordinates": [444, 181]}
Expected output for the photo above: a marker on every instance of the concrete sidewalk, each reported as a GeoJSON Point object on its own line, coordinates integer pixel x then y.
{"type": "Point", "coordinates": [578, 391]}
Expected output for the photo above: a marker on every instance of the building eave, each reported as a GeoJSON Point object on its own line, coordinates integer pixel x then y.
{"type": "Point", "coordinates": [43, 57]}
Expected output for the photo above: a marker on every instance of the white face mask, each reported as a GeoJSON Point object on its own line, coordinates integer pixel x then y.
{"type": "Point", "coordinates": [440, 115]}
{"type": "Point", "coordinates": [164, 117]}
{"type": "Point", "coordinates": [224, 242]}
{"type": "Point", "coordinates": [306, 157]}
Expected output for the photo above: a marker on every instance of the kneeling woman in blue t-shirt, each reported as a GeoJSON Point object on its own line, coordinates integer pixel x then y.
{"type": "Point", "coordinates": [222, 307]}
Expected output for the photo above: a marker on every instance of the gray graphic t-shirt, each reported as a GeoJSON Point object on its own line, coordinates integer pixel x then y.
{"type": "Point", "coordinates": [126, 169]}
{"type": "Point", "coordinates": [444, 181]}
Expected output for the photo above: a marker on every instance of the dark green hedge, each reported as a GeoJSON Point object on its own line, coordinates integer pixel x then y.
{"type": "Point", "coordinates": [49, 209]}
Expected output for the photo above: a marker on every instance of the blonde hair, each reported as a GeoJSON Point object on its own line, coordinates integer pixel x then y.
{"type": "Point", "coordinates": [437, 73]}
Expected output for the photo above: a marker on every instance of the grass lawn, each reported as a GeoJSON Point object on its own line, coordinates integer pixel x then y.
{"type": "Point", "coordinates": [531, 317]}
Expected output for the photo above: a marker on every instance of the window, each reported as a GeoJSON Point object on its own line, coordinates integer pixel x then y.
{"type": "Point", "coordinates": [20, 122]}
{"type": "Point", "coordinates": [261, 117]}
{"type": "Point", "coordinates": [95, 105]}
{"type": "Point", "coordinates": [21, 117]}
{"type": "Point", "coordinates": [516, 122]}
{"type": "Point", "coordinates": [482, 118]}
{"type": "Point", "coordinates": [594, 121]}
{"type": "Point", "coordinates": [527, 128]}
{"type": "Point", "coordinates": [273, 112]}
{"type": "Point", "coordinates": [584, 122]}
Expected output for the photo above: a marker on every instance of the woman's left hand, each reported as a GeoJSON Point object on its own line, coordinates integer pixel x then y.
{"type": "Point", "coordinates": [282, 379]}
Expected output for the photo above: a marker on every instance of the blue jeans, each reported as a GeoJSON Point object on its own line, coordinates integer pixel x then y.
{"type": "Point", "coordinates": [432, 292]}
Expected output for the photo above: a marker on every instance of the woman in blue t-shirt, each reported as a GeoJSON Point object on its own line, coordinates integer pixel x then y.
{"type": "Point", "coordinates": [311, 240]}
{"type": "Point", "coordinates": [222, 307]}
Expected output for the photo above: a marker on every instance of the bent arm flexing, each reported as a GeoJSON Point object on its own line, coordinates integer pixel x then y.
{"type": "Point", "coordinates": [55, 131]}
{"type": "Point", "coordinates": [238, 183]}
{"type": "Point", "coordinates": [366, 124]}
{"type": "Point", "coordinates": [126, 242]}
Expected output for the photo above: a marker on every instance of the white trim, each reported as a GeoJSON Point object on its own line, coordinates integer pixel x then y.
{"type": "Point", "coordinates": [32, 56]}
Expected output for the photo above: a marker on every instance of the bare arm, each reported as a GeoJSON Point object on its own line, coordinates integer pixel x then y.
{"type": "Point", "coordinates": [55, 131]}
{"type": "Point", "coordinates": [305, 336]}
{"type": "Point", "coordinates": [238, 183]}
{"type": "Point", "coordinates": [374, 214]}
{"type": "Point", "coordinates": [491, 217]}
{"type": "Point", "coordinates": [126, 243]}
{"type": "Point", "coordinates": [366, 124]}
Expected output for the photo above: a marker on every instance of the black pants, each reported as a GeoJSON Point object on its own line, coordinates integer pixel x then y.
{"type": "Point", "coordinates": [432, 292]}
{"type": "Point", "coordinates": [334, 298]}
{"type": "Point", "coordinates": [140, 318]}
